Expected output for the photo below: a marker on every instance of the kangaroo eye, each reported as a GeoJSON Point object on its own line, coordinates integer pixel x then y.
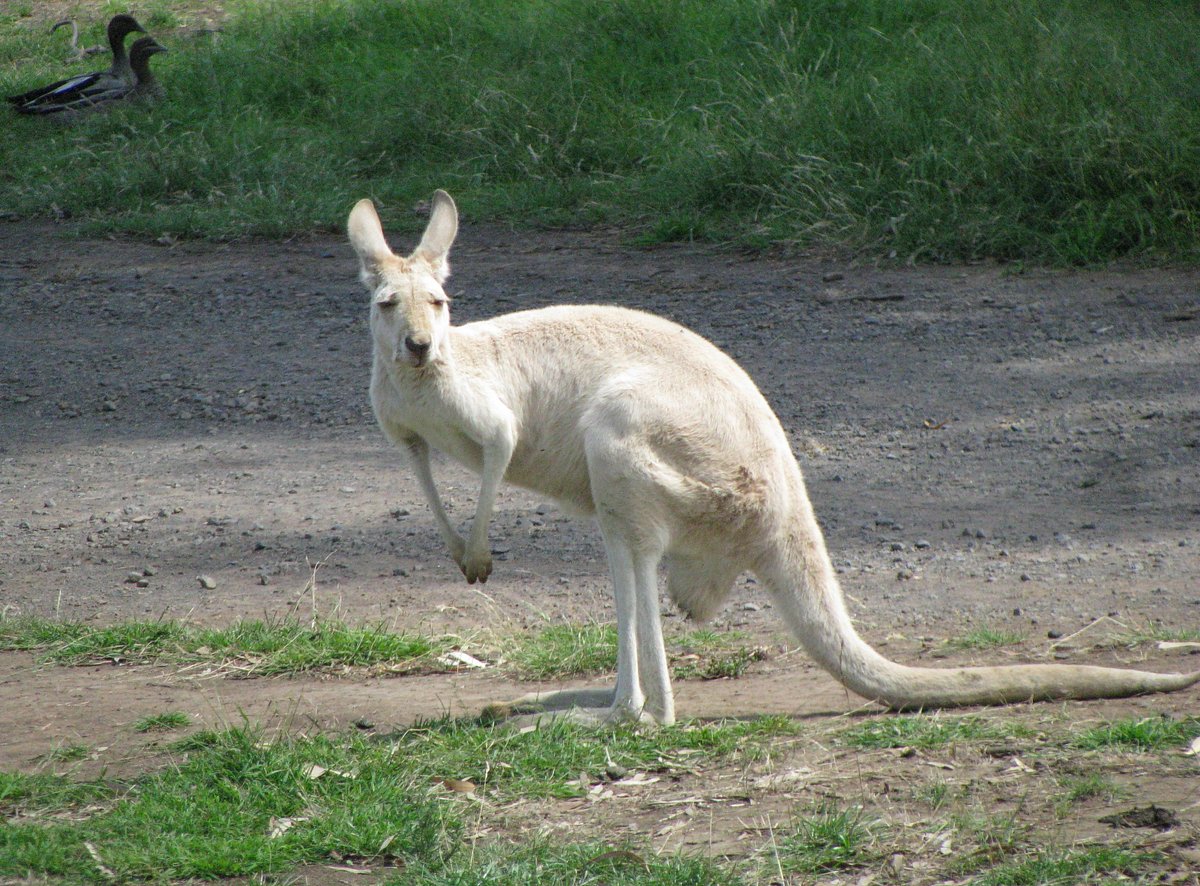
{"type": "Point", "coordinates": [387, 301]}
{"type": "Point", "coordinates": [438, 303]}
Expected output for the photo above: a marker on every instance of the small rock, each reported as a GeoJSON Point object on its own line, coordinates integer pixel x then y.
{"type": "Point", "coordinates": [133, 578]}
{"type": "Point", "coordinates": [922, 544]}
{"type": "Point", "coordinates": [615, 771]}
{"type": "Point", "coordinates": [207, 582]}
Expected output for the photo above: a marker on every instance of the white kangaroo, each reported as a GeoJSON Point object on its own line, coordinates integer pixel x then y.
{"type": "Point", "coordinates": [649, 428]}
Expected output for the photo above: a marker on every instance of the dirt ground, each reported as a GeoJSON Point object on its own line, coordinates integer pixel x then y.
{"type": "Point", "coordinates": [984, 447]}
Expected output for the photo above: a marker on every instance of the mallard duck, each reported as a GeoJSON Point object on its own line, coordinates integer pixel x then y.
{"type": "Point", "coordinates": [119, 75]}
{"type": "Point", "coordinates": [104, 93]}
{"type": "Point", "coordinates": [147, 87]}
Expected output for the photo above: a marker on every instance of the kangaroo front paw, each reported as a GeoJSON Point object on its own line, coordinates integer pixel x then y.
{"type": "Point", "coordinates": [476, 567]}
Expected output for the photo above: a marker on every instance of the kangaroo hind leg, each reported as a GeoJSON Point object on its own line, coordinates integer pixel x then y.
{"type": "Point", "coordinates": [643, 687]}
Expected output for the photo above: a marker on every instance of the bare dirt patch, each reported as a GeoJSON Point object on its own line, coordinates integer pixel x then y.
{"type": "Point", "coordinates": [1013, 450]}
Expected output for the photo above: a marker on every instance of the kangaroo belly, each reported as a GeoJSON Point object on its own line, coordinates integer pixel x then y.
{"type": "Point", "coordinates": [555, 470]}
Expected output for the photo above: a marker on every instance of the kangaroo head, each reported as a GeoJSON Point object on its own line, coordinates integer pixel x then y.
{"type": "Point", "coordinates": [410, 312]}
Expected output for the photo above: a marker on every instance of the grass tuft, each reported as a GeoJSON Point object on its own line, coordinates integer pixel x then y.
{"type": "Point", "coordinates": [825, 841]}
{"type": "Point", "coordinates": [984, 638]}
{"type": "Point", "coordinates": [164, 722]}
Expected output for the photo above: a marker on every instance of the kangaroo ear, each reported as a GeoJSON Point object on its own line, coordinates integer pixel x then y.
{"type": "Point", "coordinates": [366, 236]}
{"type": "Point", "coordinates": [434, 247]}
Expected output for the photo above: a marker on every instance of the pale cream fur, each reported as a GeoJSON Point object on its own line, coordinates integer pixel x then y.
{"type": "Point", "coordinates": [668, 444]}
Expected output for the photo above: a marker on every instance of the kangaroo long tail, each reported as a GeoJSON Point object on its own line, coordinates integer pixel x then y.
{"type": "Point", "coordinates": [805, 589]}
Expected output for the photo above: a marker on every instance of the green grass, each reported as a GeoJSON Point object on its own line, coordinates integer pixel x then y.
{"type": "Point", "coordinates": [984, 638]}
{"type": "Point", "coordinates": [563, 650]}
{"type": "Point", "coordinates": [237, 806]}
{"type": "Point", "coordinates": [1093, 864]}
{"type": "Point", "coordinates": [1148, 734]}
{"type": "Point", "coordinates": [944, 129]}
{"type": "Point", "coordinates": [260, 647]}
{"type": "Point", "coordinates": [544, 862]}
{"type": "Point", "coordinates": [926, 732]}
{"type": "Point", "coordinates": [548, 762]}
{"type": "Point", "coordinates": [164, 722]}
{"type": "Point", "coordinates": [1078, 788]}
{"type": "Point", "coordinates": [581, 650]}
{"type": "Point", "coordinates": [68, 753]}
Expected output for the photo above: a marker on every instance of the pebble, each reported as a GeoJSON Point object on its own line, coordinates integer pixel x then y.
{"type": "Point", "coordinates": [206, 581]}
{"type": "Point", "coordinates": [922, 544]}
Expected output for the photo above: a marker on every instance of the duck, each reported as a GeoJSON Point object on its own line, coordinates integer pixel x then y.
{"type": "Point", "coordinates": [146, 88]}
{"type": "Point", "coordinates": [119, 75]}
{"type": "Point", "coordinates": [104, 93]}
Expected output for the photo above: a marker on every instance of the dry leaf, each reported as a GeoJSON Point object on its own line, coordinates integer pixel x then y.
{"type": "Point", "coordinates": [457, 658]}
{"type": "Point", "coordinates": [280, 826]}
{"type": "Point", "coordinates": [458, 785]}
{"type": "Point", "coordinates": [107, 872]}
{"type": "Point", "coordinates": [315, 771]}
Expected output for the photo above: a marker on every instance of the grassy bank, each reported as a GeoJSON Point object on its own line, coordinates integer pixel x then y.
{"type": "Point", "coordinates": [1058, 132]}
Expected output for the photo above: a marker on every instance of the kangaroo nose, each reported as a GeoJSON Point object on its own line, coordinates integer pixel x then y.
{"type": "Point", "coordinates": [418, 347]}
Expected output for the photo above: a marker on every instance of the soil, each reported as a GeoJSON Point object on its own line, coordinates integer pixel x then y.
{"type": "Point", "coordinates": [985, 447]}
